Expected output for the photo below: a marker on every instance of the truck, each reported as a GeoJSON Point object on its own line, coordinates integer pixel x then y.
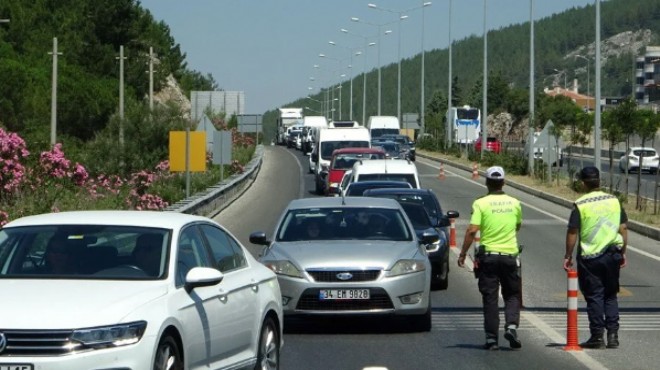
{"type": "Point", "coordinates": [311, 125]}
{"type": "Point", "coordinates": [383, 125]}
{"type": "Point", "coordinates": [286, 118]}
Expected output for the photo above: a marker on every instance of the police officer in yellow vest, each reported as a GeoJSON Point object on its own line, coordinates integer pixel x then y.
{"type": "Point", "coordinates": [600, 223]}
{"type": "Point", "coordinates": [497, 216]}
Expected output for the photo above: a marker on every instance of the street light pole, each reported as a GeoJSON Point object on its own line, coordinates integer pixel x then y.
{"type": "Point", "coordinates": [421, 90]}
{"type": "Point", "coordinates": [450, 126]}
{"type": "Point", "coordinates": [530, 135]}
{"type": "Point", "coordinates": [121, 96]}
{"type": "Point", "coordinates": [484, 120]}
{"type": "Point", "coordinates": [379, 26]}
{"type": "Point", "coordinates": [364, 72]}
{"type": "Point", "coordinates": [53, 98]}
{"type": "Point", "coordinates": [597, 138]}
{"type": "Point", "coordinates": [588, 82]}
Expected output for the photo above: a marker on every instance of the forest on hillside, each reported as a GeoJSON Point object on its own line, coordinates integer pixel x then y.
{"type": "Point", "coordinates": [89, 35]}
{"type": "Point", "coordinates": [508, 64]}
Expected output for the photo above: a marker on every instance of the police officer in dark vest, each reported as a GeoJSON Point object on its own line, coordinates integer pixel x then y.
{"type": "Point", "coordinates": [497, 216]}
{"type": "Point", "coordinates": [599, 221]}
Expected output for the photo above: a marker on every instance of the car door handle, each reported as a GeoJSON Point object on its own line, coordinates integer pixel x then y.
{"type": "Point", "coordinates": [255, 288]}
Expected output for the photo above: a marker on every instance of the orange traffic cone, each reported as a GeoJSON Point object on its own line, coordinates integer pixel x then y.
{"type": "Point", "coordinates": [441, 175]}
{"type": "Point", "coordinates": [475, 171]}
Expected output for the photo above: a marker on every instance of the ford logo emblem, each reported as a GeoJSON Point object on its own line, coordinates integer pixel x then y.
{"type": "Point", "coordinates": [3, 342]}
{"type": "Point", "coordinates": [344, 276]}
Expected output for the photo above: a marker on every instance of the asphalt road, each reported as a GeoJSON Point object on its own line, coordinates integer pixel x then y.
{"type": "Point", "coordinates": [457, 335]}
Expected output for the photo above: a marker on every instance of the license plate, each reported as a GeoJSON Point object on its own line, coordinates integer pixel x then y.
{"type": "Point", "coordinates": [330, 294]}
{"type": "Point", "coordinates": [16, 367]}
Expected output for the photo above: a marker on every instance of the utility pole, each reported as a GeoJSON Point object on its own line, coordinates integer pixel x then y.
{"type": "Point", "coordinates": [151, 78]}
{"type": "Point", "coordinates": [597, 138]}
{"type": "Point", "coordinates": [450, 122]}
{"type": "Point", "coordinates": [484, 118]}
{"type": "Point", "coordinates": [530, 135]}
{"type": "Point", "coordinates": [53, 98]}
{"type": "Point", "coordinates": [121, 97]}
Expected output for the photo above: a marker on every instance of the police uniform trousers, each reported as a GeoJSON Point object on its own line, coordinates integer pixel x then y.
{"type": "Point", "coordinates": [599, 283]}
{"type": "Point", "coordinates": [496, 270]}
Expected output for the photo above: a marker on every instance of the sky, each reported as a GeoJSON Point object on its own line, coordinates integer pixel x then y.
{"type": "Point", "coordinates": [268, 48]}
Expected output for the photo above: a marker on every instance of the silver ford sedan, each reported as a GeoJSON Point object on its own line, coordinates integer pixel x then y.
{"type": "Point", "coordinates": [350, 256]}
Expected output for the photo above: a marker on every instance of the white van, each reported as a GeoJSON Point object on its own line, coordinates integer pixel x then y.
{"type": "Point", "coordinates": [327, 141]}
{"type": "Point", "coordinates": [383, 125]}
{"type": "Point", "coordinates": [388, 170]}
{"type": "Point", "coordinates": [310, 126]}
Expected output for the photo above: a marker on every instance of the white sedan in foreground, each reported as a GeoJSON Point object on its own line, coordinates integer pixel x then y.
{"type": "Point", "coordinates": [133, 290]}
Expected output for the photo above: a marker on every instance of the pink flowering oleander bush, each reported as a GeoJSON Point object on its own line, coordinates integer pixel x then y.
{"type": "Point", "coordinates": [12, 171]}
{"type": "Point", "coordinates": [54, 183]}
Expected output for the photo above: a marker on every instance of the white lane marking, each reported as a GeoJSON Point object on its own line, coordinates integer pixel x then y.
{"type": "Point", "coordinates": [301, 191]}
{"type": "Point", "coordinates": [581, 356]}
{"type": "Point", "coordinates": [629, 247]}
{"type": "Point", "coordinates": [584, 358]}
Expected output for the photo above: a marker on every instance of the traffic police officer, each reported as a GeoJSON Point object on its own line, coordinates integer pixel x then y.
{"type": "Point", "coordinates": [600, 222]}
{"type": "Point", "coordinates": [497, 216]}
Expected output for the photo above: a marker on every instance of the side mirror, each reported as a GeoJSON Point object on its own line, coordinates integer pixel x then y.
{"type": "Point", "coordinates": [315, 157]}
{"type": "Point", "coordinates": [452, 214]}
{"type": "Point", "coordinates": [259, 238]}
{"type": "Point", "coordinates": [429, 237]}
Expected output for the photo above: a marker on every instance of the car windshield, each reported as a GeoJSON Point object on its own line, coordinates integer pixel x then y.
{"type": "Point", "coordinates": [425, 200]}
{"type": "Point", "coordinates": [417, 215]}
{"type": "Point", "coordinates": [357, 189]}
{"type": "Point", "coordinates": [344, 223]}
{"type": "Point", "coordinates": [84, 252]}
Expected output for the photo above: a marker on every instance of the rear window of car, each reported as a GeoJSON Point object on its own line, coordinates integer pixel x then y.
{"type": "Point", "coordinates": [644, 153]}
{"type": "Point", "coordinates": [407, 177]}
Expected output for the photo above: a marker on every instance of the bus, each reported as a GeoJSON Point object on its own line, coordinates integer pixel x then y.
{"type": "Point", "coordinates": [466, 123]}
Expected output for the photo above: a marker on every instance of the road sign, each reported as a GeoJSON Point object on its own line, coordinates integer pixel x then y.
{"type": "Point", "coordinates": [249, 123]}
{"type": "Point", "coordinates": [222, 147]}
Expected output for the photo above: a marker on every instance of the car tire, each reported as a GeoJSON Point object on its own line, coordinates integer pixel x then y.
{"type": "Point", "coordinates": [168, 355]}
{"type": "Point", "coordinates": [442, 282]}
{"type": "Point", "coordinates": [268, 355]}
{"type": "Point", "coordinates": [422, 323]}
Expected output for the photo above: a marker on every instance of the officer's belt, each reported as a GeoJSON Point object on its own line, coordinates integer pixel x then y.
{"type": "Point", "coordinates": [609, 249]}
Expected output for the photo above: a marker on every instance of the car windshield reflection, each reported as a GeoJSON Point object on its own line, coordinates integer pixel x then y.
{"type": "Point", "coordinates": [84, 252]}
{"type": "Point", "coordinates": [344, 223]}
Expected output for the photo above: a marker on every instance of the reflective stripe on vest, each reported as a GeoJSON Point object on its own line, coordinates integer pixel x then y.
{"type": "Point", "coordinates": [600, 216]}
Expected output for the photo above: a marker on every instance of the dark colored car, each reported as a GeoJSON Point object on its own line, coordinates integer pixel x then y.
{"type": "Point", "coordinates": [406, 145]}
{"type": "Point", "coordinates": [426, 199]}
{"type": "Point", "coordinates": [356, 189]}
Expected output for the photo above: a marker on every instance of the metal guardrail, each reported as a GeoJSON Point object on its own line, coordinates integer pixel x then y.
{"type": "Point", "coordinates": [216, 198]}
{"type": "Point", "coordinates": [638, 227]}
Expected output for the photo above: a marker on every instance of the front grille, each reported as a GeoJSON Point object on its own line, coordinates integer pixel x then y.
{"type": "Point", "coordinates": [379, 300]}
{"type": "Point", "coordinates": [39, 343]}
{"type": "Point", "coordinates": [327, 276]}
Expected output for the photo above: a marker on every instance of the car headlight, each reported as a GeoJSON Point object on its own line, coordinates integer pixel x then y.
{"type": "Point", "coordinates": [110, 336]}
{"type": "Point", "coordinates": [284, 268]}
{"type": "Point", "coordinates": [403, 267]}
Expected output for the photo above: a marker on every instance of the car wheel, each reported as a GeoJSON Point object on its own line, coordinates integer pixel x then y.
{"type": "Point", "coordinates": [441, 280]}
{"type": "Point", "coordinates": [268, 357]}
{"type": "Point", "coordinates": [422, 323]}
{"type": "Point", "coordinates": [168, 355]}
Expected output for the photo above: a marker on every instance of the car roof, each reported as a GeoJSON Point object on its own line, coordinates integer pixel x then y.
{"type": "Point", "coordinates": [357, 151]}
{"type": "Point", "coordinates": [385, 166]}
{"type": "Point", "coordinates": [406, 191]}
{"type": "Point", "coordinates": [342, 202]}
{"type": "Point", "coordinates": [164, 219]}
{"type": "Point", "coordinates": [642, 148]}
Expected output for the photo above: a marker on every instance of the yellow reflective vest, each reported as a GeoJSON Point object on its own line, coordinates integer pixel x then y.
{"type": "Point", "coordinates": [600, 217]}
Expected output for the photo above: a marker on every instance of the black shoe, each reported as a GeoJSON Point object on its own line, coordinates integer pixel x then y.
{"type": "Point", "coordinates": [595, 342]}
{"type": "Point", "coordinates": [491, 346]}
{"type": "Point", "coordinates": [612, 339]}
{"type": "Point", "coordinates": [512, 336]}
